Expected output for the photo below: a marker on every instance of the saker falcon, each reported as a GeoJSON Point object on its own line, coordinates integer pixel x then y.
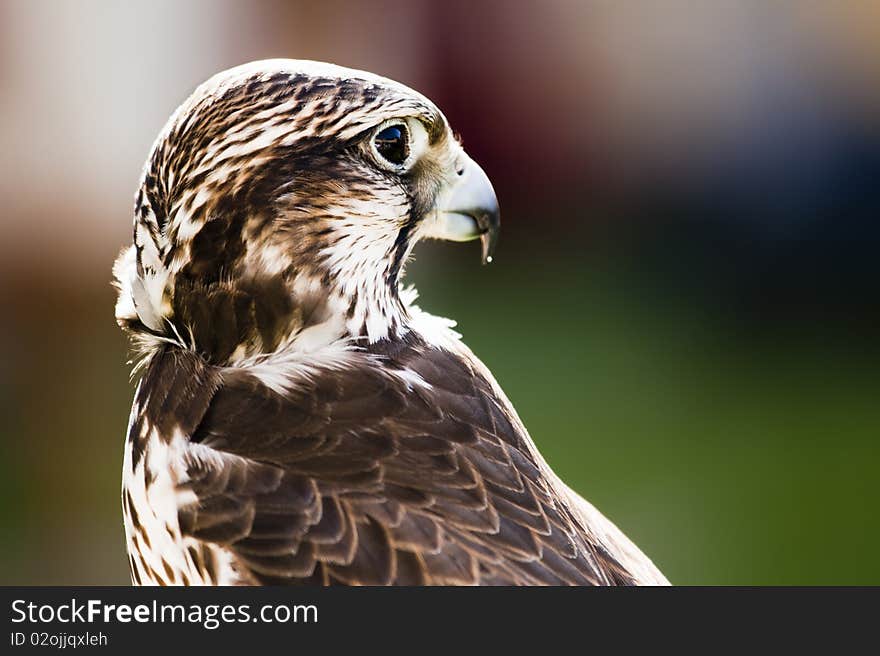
{"type": "Point", "coordinates": [298, 418]}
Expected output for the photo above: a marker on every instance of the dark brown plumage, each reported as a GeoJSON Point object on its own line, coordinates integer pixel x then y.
{"type": "Point", "coordinates": [299, 419]}
{"type": "Point", "coordinates": [355, 479]}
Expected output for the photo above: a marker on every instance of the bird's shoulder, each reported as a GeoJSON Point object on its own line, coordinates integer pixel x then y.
{"type": "Point", "coordinates": [402, 463]}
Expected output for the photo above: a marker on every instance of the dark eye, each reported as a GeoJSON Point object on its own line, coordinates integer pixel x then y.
{"type": "Point", "coordinates": [392, 143]}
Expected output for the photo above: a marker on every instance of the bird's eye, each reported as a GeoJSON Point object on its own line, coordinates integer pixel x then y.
{"type": "Point", "coordinates": [392, 143]}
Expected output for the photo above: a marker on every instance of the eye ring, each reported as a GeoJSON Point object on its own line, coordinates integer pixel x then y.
{"type": "Point", "coordinates": [391, 144]}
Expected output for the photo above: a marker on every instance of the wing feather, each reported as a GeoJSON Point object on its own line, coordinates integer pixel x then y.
{"type": "Point", "coordinates": [357, 477]}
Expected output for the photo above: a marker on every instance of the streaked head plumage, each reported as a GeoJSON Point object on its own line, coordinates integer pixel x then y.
{"type": "Point", "coordinates": [285, 195]}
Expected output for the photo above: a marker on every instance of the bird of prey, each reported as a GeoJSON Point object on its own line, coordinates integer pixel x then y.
{"type": "Point", "coordinates": [298, 418]}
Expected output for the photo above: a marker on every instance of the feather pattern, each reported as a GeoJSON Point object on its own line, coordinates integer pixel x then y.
{"type": "Point", "coordinates": [354, 478]}
{"type": "Point", "coordinates": [298, 419]}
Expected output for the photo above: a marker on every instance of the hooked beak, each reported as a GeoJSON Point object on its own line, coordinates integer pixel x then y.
{"type": "Point", "coordinates": [467, 209]}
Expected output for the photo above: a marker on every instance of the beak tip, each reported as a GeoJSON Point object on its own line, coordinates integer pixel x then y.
{"type": "Point", "coordinates": [488, 240]}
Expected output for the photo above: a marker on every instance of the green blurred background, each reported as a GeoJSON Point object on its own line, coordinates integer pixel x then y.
{"type": "Point", "coordinates": [684, 303]}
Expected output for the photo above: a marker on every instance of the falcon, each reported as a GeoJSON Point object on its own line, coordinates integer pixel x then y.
{"type": "Point", "coordinates": [298, 419]}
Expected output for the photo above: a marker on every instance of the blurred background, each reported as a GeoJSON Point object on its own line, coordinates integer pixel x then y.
{"type": "Point", "coordinates": [684, 304]}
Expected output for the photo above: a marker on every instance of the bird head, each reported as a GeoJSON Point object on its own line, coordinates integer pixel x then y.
{"type": "Point", "coordinates": [280, 204]}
